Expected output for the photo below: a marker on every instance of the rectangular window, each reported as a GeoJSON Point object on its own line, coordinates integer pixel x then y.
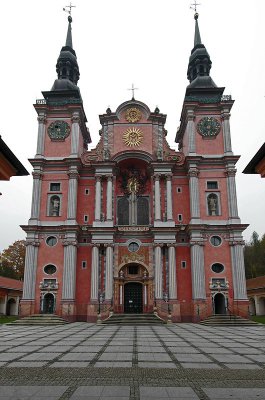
{"type": "Point", "coordinates": [86, 191]}
{"type": "Point", "coordinates": [55, 187]}
{"type": "Point", "coordinates": [179, 190]}
{"type": "Point", "coordinates": [183, 264]}
{"type": "Point", "coordinates": [212, 185]}
{"type": "Point", "coordinates": [180, 217]}
{"type": "Point", "coordinates": [84, 264]}
{"type": "Point", "coordinates": [85, 218]}
{"type": "Point", "coordinates": [133, 269]}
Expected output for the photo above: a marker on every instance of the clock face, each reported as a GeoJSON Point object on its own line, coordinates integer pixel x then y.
{"type": "Point", "coordinates": [133, 137]}
{"type": "Point", "coordinates": [58, 130]}
{"type": "Point", "coordinates": [208, 127]}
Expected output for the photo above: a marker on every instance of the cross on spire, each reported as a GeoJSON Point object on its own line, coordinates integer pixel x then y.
{"type": "Point", "coordinates": [133, 89]}
{"type": "Point", "coordinates": [194, 5]}
{"type": "Point", "coordinates": [70, 9]}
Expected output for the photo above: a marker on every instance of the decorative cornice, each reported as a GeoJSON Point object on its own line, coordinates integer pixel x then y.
{"type": "Point", "coordinates": [67, 242]}
{"type": "Point", "coordinates": [42, 119]}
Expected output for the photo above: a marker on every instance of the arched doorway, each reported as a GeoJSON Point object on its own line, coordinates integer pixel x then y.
{"type": "Point", "coordinates": [133, 297]}
{"type": "Point", "coordinates": [219, 304]}
{"type": "Point", "coordinates": [48, 303]}
{"type": "Point", "coordinates": [252, 306]}
{"type": "Point", "coordinates": [11, 307]}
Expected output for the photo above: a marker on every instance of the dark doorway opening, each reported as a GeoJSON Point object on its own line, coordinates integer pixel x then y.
{"type": "Point", "coordinates": [133, 298]}
{"type": "Point", "coordinates": [48, 304]}
{"type": "Point", "coordinates": [219, 304]}
{"type": "Point", "coordinates": [11, 307]}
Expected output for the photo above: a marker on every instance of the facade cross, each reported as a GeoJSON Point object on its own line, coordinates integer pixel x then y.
{"type": "Point", "coordinates": [133, 89]}
{"type": "Point", "coordinates": [70, 8]}
{"type": "Point", "coordinates": [194, 6]}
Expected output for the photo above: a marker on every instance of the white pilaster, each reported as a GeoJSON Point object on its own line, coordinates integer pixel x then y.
{"type": "Point", "coordinates": [191, 132]}
{"type": "Point", "coordinates": [158, 273]}
{"type": "Point", "coordinates": [157, 198]}
{"type": "Point", "coordinates": [169, 198]}
{"type": "Point", "coordinates": [98, 198]}
{"type": "Point", "coordinates": [194, 192]}
{"type": "Point", "coordinates": [238, 270]}
{"type": "Point", "coordinates": [29, 285]}
{"type": "Point", "coordinates": [36, 192]}
{"type": "Point", "coordinates": [172, 287]}
{"type": "Point", "coordinates": [121, 295]}
{"type": "Point", "coordinates": [109, 199]}
{"type": "Point", "coordinates": [72, 194]}
{"type": "Point", "coordinates": [226, 132]}
{"type": "Point", "coordinates": [231, 191]}
{"type": "Point", "coordinates": [94, 273]}
{"type": "Point", "coordinates": [69, 271]}
{"type": "Point", "coordinates": [75, 134]}
{"type": "Point", "coordinates": [197, 271]}
{"type": "Point", "coordinates": [109, 273]}
{"type": "Point", "coordinates": [41, 135]}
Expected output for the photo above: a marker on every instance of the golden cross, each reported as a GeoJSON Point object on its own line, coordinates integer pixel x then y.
{"type": "Point", "coordinates": [70, 9]}
{"type": "Point", "coordinates": [133, 89]}
{"type": "Point", "coordinates": [194, 5]}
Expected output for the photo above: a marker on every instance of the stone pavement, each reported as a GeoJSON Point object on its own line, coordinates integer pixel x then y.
{"type": "Point", "coordinates": [87, 361]}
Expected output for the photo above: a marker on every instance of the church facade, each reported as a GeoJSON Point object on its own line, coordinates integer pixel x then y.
{"type": "Point", "coordinates": [133, 226]}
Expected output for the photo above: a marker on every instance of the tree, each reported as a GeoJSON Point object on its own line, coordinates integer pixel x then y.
{"type": "Point", "coordinates": [12, 260]}
{"type": "Point", "coordinates": [254, 254]}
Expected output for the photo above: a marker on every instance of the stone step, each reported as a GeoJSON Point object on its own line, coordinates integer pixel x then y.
{"type": "Point", "coordinates": [133, 319]}
{"type": "Point", "coordinates": [226, 320]}
{"type": "Point", "coordinates": [40, 319]}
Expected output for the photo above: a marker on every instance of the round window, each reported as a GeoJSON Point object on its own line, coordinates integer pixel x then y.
{"type": "Point", "coordinates": [216, 240]}
{"type": "Point", "coordinates": [217, 268]}
{"type": "Point", "coordinates": [49, 269]}
{"type": "Point", "coordinates": [51, 241]}
{"type": "Point", "coordinates": [133, 246]}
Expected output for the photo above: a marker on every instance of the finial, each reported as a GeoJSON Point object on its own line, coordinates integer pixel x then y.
{"type": "Point", "coordinates": [133, 89]}
{"type": "Point", "coordinates": [194, 6]}
{"type": "Point", "coordinates": [69, 12]}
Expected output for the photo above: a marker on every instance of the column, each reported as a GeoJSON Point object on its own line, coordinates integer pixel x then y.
{"type": "Point", "coordinates": [194, 192]}
{"type": "Point", "coordinates": [109, 199]}
{"type": "Point", "coordinates": [69, 271]}
{"type": "Point", "coordinates": [157, 198]}
{"type": "Point", "coordinates": [75, 134]}
{"type": "Point", "coordinates": [72, 193]}
{"type": "Point", "coordinates": [109, 273]}
{"type": "Point", "coordinates": [145, 295]}
{"type": "Point", "coordinates": [191, 132]}
{"type": "Point", "coordinates": [98, 198]}
{"type": "Point", "coordinates": [121, 295]}
{"type": "Point", "coordinates": [238, 270]}
{"type": "Point", "coordinates": [158, 273]}
{"type": "Point", "coordinates": [30, 270]}
{"type": "Point", "coordinates": [197, 271]}
{"type": "Point", "coordinates": [94, 273]}
{"type": "Point", "coordinates": [36, 191]}
{"type": "Point", "coordinates": [231, 191]}
{"type": "Point", "coordinates": [41, 135]}
{"type": "Point", "coordinates": [256, 299]}
{"type": "Point", "coordinates": [172, 287]}
{"type": "Point", "coordinates": [226, 132]}
{"type": "Point", "coordinates": [169, 197]}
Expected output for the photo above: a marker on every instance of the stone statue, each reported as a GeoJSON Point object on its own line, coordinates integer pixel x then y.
{"type": "Point", "coordinates": [55, 206]}
{"type": "Point", "coordinates": [212, 204]}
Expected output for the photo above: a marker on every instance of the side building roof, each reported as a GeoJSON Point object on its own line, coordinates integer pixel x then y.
{"type": "Point", "coordinates": [9, 164]}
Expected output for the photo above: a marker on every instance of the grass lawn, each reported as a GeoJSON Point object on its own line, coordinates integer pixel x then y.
{"type": "Point", "coordinates": [260, 319]}
{"type": "Point", "coordinates": [4, 319]}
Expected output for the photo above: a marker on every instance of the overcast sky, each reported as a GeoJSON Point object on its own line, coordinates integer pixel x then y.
{"type": "Point", "coordinates": [120, 42]}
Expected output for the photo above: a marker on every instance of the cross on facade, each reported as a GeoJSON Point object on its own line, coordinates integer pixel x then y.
{"type": "Point", "coordinates": [70, 9]}
{"type": "Point", "coordinates": [133, 89]}
{"type": "Point", "coordinates": [194, 5]}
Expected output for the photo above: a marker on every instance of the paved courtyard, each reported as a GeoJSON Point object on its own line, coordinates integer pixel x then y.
{"type": "Point", "coordinates": [88, 361]}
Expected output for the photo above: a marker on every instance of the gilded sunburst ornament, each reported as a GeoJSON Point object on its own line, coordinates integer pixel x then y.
{"type": "Point", "coordinates": [133, 115]}
{"type": "Point", "coordinates": [133, 137]}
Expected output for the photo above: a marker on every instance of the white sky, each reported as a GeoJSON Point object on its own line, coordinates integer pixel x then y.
{"type": "Point", "coordinates": [120, 42]}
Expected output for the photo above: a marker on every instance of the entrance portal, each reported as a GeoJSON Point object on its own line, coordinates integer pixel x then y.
{"type": "Point", "coordinates": [219, 304]}
{"type": "Point", "coordinates": [133, 297]}
{"type": "Point", "coordinates": [48, 304]}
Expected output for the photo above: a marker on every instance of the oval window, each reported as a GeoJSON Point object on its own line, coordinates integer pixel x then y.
{"type": "Point", "coordinates": [51, 241]}
{"type": "Point", "coordinates": [133, 246]}
{"type": "Point", "coordinates": [217, 268]}
{"type": "Point", "coordinates": [216, 241]}
{"type": "Point", "coordinates": [49, 269]}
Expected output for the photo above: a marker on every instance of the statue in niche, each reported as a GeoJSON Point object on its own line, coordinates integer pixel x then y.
{"type": "Point", "coordinates": [212, 204]}
{"type": "Point", "coordinates": [55, 206]}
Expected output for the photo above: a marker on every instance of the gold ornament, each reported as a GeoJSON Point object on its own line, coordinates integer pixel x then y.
{"type": "Point", "coordinates": [133, 185]}
{"type": "Point", "coordinates": [133, 115]}
{"type": "Point", "coordinates": [133, 137]}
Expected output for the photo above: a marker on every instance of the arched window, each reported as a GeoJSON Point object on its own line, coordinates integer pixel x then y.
{"type": "Point", "coordinates": [132, 210]}
{"type": "Point", "coordinates": [123, 211]}
{"type": "Point", "coordinates": [54, 207]}
{"type": "Point", "coordinates": [142, 211]}
{"type": "Point", "coordinates": [213, 204]}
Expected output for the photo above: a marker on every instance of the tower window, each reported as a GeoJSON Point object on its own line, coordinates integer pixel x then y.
{"type": "Point", "coordinates": [216, 241]}
{"type": "Point", "coordinates": [218, 268]}
{"type": "Point", "coordinates": [84, 264]}
{"type": "Point", "coordinates": [133, 211]}
{"type": "Point", "coordinates": [86, 191]}
{"type": "Point", "coordinates": [183, 264]}
{"type": "Point", "coordinates": [180, 219]}
{"type": "Point", "coordinates": [85, 218]}
{"type": "Point", "coordinates": [212, 185]}
{"type": "Point", "coordinates": [179, 190]}
{"type": "Point", "coordinates": [55, 187]}
{"type": "Point", "coordinates": [51, 241]}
